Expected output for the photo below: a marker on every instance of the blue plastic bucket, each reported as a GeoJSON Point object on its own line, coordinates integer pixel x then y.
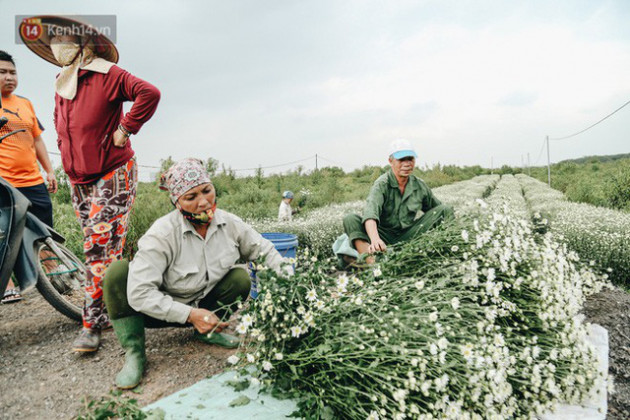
{"type": "Point", "coordinates": [285, 243]}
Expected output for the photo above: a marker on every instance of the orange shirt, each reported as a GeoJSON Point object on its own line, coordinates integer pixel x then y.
{"type": "Point", "coordinates": [18, 160]}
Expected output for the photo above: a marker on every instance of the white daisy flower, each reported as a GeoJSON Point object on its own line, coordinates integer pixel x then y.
{"type": "Point", "coordinates": [455, 303]}
{"type": "Point", "coordinates": [311, 295]}
{"type": "Point", "coordinates": [247, 320]}
{"type": "Point", "coordinates": [295, 331]}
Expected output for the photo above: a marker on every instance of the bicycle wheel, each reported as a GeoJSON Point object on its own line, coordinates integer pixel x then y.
{"type": "Point", "coordinates": [59, 283]}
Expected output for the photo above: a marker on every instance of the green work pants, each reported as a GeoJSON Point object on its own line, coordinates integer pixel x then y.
{"type": "Point", "coordinates": [235, 283]}
{"type": "Point", "coordinates": [356, 230]}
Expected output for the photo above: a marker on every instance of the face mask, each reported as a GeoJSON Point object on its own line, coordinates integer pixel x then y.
{"type": "Point", "coordinates": [203, 218]}
{"type": "Point", "coordinates": [65, 53]}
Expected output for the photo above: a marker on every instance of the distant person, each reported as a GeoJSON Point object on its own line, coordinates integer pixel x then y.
{"type": "Point", "coordinates": [399, 207]}
{"type": "Point", "coordinates": [93, 138]}
{"type": "Point", "coordinates": [185, 273]}
{"type": "Point", "coordinates": [285, 212]}
{"type": "Point", "coordinates": [20, 153]}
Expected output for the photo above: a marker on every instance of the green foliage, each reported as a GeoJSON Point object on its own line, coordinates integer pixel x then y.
{"type": "Point", "coordinates": [164, 165]}
{"type": "Point", "coordinates": [617, 188]}
{"type": "Point", "coordinates": [151, 204]}
{"type": "Point", "coordinates": [594, 159]}
{"type": "Point", "coordinates": [588, 190]}
{"type": "Point", "coordinates": [602, 181]}
{"type": "Point", "coordinates": [116, 406]}
{"type": "Point", "coordinates": [438, 175]}
{"type": "Point", "coordinates": [507, 170]}
{"type": "Point", "coordinates": [212, 165]}
{"type": "Point", "coordinates": [63, 182]}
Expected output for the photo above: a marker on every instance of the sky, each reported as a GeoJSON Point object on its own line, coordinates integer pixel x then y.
{"type": "Point", "coordinates": [268, 83]}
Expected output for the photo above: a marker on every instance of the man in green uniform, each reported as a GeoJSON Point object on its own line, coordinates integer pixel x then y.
{"type": "Point", "coordinates": [392, 210]}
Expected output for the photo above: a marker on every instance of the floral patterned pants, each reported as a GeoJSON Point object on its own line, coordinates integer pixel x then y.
{"type": "Point", "coordinates": [103, 210]}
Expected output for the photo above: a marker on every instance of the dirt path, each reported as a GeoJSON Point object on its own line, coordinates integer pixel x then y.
{"type": "Point", "coordinates": [611, 309]}
{"type": "Point", "coordinates": [41, 378]}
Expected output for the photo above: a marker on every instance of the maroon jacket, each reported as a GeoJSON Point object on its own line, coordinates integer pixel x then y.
{"type": "Point", "coordinates": [86, 124]}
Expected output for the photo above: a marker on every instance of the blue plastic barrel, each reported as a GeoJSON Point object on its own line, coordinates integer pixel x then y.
{"type": "Point", "coordinates": [285, 243]}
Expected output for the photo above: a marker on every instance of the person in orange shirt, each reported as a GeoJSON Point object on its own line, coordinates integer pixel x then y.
{"type": "Point", "coordinates": [20, 153]}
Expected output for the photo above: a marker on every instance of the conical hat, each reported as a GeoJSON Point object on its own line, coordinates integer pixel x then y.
{"type": "Point", "coordinates": [39, 40]}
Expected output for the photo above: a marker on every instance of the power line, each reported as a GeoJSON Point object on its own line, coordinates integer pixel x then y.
{"type": "Point", "coordinates": [593, 125]}
{"type": "Point", "coordinates": [242, 169]}
{"type": "Point", "coordinates": [542, 148]}
{"type": "Point", "coordinates": [275, 166]}
{"type": "Point", "coordinates": [142, 166]}
{"type": "Point", "coordinates": [328, 160]}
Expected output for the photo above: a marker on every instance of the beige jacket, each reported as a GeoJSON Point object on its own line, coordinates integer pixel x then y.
{"type": "Point", "coordinates": [175, 267]}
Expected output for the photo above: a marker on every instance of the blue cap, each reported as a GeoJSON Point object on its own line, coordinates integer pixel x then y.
{"type": "Point", "coordinates": [287, 194]}
{"type": "Point", "coordinates": [403, 154]}
{"type": "Point", "coordinates": [401, 148]}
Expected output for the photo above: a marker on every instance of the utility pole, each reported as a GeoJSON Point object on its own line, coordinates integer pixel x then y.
{"type": "Point", "coordinates": [529, 168]}
{"type": "Point", "coordinates": [548, 164]}
{"type": "Point", "coordinates": [315, 161]}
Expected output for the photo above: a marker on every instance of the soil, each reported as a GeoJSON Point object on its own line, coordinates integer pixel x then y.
{"type": "Point", "coordinates": [611, 310]}
{"type": "Point", "coordinates": [41, 378]}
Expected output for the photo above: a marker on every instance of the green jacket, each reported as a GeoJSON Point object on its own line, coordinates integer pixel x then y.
{"type": "Point", "coordinates": [393, 211]}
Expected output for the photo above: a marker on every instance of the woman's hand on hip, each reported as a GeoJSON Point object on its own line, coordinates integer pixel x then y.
{"type": "Point", "coordinates": [205, 321]}
{"type": "Point", "coordinates": [120, 138]}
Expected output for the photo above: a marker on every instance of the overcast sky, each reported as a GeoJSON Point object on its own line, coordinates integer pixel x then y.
{"type": "Point", "coordinates": [262, 83]}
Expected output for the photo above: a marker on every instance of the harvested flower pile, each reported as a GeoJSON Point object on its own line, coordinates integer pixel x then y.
{"type": "Point", "coordinates": [476, 319]}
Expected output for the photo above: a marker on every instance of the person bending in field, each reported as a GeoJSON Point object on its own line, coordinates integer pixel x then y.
{"type": "Point", "coordinates": [185, 272]}
{"type": "Point", "coordinates": [392, 208]}
{"type": "Point", "coordinates": [285, 211]}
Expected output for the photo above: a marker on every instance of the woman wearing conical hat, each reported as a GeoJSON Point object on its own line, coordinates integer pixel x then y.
{"type": "Point", "coordinates": [93, 138]}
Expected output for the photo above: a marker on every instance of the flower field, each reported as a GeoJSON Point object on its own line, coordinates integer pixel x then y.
{"type": "Point", "coordinates": [476, 319]}
{"type": "Point", "coordinates": [322, 226]}
{"type": "Point", "coordinates": [317, 231]}
{"type": "Point", "coordinates": [597, 234]}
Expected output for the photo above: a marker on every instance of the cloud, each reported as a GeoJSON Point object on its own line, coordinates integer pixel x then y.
{"type": "Point", "coordinates": [259, 83]}
{"type": "Point", "coordinates": [518, 99]}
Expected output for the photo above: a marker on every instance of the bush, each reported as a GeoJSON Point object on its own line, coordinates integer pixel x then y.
{"type": "Point", "coordinates": [602, 181]}
{"type": "Point", "coordinates": [618, 189]}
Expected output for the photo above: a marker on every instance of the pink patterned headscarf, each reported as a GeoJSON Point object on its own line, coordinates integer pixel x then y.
{"type": "Point", "coordinates": [183, 176]}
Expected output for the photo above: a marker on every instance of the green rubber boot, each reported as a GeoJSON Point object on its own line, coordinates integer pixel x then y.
{"type": "Point", "coordinates": [220, 339]}
{"type": "Point", "coordinates": [130, 333]}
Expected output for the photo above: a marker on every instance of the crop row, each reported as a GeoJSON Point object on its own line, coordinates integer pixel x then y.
{"type": "Point", "coordinates": [597, 234]}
